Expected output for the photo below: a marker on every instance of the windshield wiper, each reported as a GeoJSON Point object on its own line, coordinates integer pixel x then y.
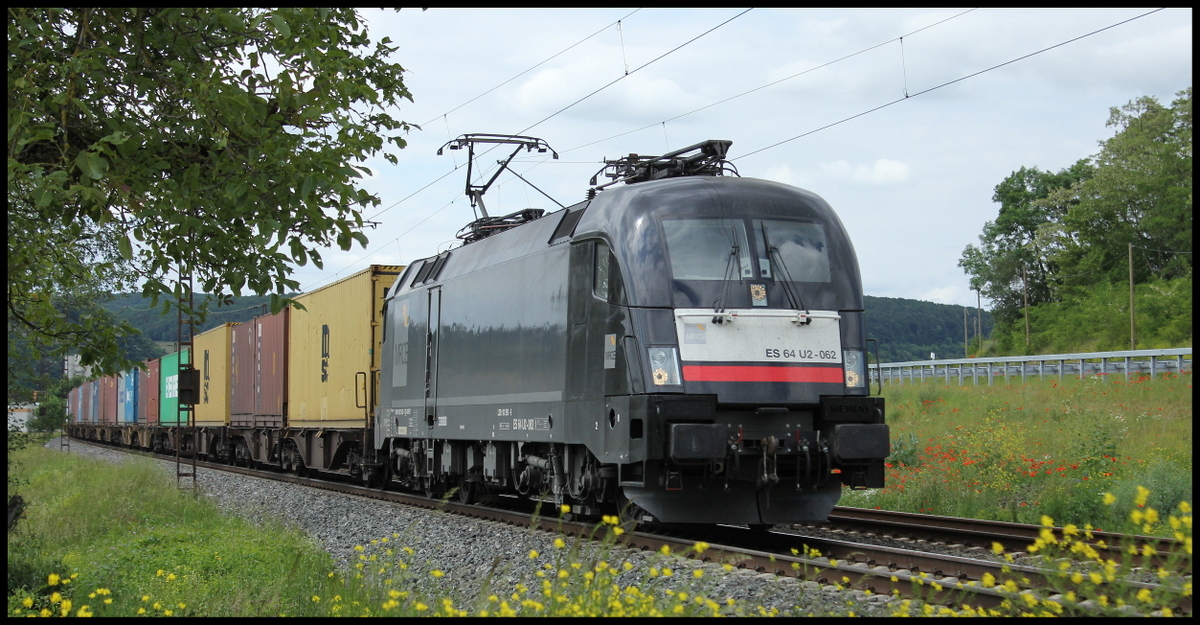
{"type": "Point", "coordinates": [719, 304]}
{"type": "Point", "coordinates": [774, 257]}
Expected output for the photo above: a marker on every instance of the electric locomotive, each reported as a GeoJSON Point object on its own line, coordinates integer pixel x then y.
{"type": "Point", "coordinates": [686, 346]}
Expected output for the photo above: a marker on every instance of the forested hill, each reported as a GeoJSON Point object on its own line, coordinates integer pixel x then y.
{"type": "Point", "coordinates": [906, 329]}
{"type": "Point", "coordinates": [909, 329]}
{"type": "Point", "coordinates": [155, 326]}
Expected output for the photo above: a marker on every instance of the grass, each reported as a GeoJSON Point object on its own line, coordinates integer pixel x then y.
{"type": "Point", "coordinates": [1018, 452]}
{"type": "Point", "coordinates": [126, 529]}
{"type": "Point", "coordinates": [99, 539]}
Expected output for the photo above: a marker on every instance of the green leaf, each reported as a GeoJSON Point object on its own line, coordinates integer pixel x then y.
{"type": "Point", "coordinates": [281, 26]}
{"type": "Point", "coordinates": [125, 247]}
{"type": "Point", "coordinates": [298, 251]}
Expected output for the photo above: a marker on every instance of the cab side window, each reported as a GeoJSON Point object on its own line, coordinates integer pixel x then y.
{"type": "Point", "coordinates": [601, 283]}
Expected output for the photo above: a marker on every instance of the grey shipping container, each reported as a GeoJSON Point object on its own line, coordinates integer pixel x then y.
{"type": "Point", "coordinates": [241, 374]}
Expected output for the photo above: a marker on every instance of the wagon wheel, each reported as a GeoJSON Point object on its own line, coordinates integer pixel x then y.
{"type": "Point", "coordinates": [377, 479]}
{"type": "Point", "coordinates": [298, 465]}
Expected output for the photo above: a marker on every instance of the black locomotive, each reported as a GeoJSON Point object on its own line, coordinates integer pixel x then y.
{"type": "Point", "coordinates": [687, 347]}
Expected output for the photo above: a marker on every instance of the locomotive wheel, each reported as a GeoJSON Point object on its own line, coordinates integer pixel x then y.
{"type": "Point", "coordinates": [629, 513]}
{"type": "Point", "coordinates": [468, 492]}
{"type": "Point", "coordinates": [432, 489]}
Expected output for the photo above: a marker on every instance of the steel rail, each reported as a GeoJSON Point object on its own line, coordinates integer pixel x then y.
{"type": "Point", "coordinates": [1013, 537]}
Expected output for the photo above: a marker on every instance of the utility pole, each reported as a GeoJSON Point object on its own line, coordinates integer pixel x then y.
{"type": "Point", "coordinates": [1132, 335]}
{"type": "Point", "coordinates": [979, 319]}
{"type": "Point", "coordinates": [966, 352]}
{"type": "Point", "coordinates": [1025, 289]}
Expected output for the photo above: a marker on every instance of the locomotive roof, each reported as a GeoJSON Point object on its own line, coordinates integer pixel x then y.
{"type": "Point", "coordinates": [625, 217]}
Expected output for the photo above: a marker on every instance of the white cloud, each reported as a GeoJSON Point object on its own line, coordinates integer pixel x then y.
{"type": "Point", "coordinates": [882, 171]}
{"type": "Point", "coordinates": [942, 295]}
{"type": "Point", "coordinates": [784, 174]}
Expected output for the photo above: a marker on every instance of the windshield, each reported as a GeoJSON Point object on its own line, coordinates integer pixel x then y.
{"type": "Point", "coordinates": [801, 248]}
{"type": "Point", "coordinates": [700, 248]}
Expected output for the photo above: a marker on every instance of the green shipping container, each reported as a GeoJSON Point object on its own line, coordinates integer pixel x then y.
{"type": "Point", "coordinates": [168, 377]}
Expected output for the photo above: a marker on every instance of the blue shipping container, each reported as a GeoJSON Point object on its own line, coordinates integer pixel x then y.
{"type": "Point", "coordinates": [127, 396]}
{"type": "Point", "coordinates": [94, 408]}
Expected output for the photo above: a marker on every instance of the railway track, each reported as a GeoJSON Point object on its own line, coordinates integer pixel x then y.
{"type": "Point", "coordinates": [917, 572]}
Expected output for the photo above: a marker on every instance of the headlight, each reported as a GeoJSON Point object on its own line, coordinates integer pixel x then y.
{"type": "Point", "coordinates": [854, 367]}
{"type": "Point", "coordinates": [664, 366]}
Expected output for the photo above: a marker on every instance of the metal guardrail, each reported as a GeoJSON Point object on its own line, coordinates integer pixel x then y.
{"type": "Point", "coordinates": [1102, 364]}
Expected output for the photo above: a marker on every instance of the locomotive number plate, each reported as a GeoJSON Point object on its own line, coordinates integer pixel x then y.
{"type": "Point", "coordinates": [766, 336]}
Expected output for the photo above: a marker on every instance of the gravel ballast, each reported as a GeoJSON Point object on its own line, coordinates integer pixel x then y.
{"type": "Point", "coordinates": [473, 552]}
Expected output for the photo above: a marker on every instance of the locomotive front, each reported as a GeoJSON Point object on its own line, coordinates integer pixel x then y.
{"type": "Point", "coordinates": [733, 307]}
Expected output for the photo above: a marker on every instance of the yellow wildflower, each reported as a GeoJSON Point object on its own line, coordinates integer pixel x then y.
{"type": "Point", "coordinates": [53, 579]}
{"type": "Point", "coordinates": [1143, 494]}
{"type": "Point", "coordinates": [1109, 499]}
{"type": "Point", "coordinates": [533, 553]}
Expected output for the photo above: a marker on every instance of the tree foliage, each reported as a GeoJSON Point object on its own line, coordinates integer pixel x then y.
{"type": "Point", "coordinates": [1072, 231]}
{"type": "Point", "coordinates": [1011, 257]}
{"type": "Point", "coordinates": [1141, 195]}
{"type": "Point", "coordinates": [223, 142]}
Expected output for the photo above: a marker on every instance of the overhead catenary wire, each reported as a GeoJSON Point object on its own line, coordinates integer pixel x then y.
{"type": "Point", "coordinates": [547, 60]}
{"type": "Point", "coordinates": [634, 71]}
{"type": "Point", "coordinates": [946, 84]}
{"type": "Point", "coordinates": [772, 83]}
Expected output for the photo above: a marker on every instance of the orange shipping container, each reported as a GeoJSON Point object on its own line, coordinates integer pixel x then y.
{"type": "Point", "coordinates": [212, 359]}
{"type": "Point", "coordinates": [334, 350]}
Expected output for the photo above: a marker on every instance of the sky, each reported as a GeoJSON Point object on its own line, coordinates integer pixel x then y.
{"type": "Point", "coordinates": [899, 118]}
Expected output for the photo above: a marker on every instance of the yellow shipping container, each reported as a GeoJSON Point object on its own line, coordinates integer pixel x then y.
{"type": "Point", "coordinates": [212, 359]}
{"type": "Point", "coordinates": [332, 342]}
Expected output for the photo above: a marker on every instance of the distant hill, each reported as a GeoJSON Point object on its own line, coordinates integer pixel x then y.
{"type": "Point", "coordinates": [135, 309]}
{"type": "Point", "coordinates": [909, 329]}
{"type": "Point", "coordinates": [906, 329]}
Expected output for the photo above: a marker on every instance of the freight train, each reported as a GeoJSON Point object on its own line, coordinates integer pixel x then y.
{"type": "Point", "coordinates": [684, 346]}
